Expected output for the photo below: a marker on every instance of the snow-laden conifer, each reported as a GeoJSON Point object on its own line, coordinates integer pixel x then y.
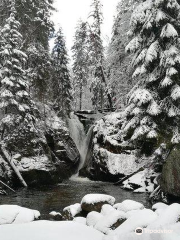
{"type": "Point", "coordinates": [80, 61]}
{"type": "Point", "coordinates": [153, 109]}
{"type": "Point", "coordinates": [16, 105]}
{"type": "Point", "coordinates": [61, 84]}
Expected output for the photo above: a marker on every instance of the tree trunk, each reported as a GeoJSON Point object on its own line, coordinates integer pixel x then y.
{"type": "Point", "coordinates": [108, 94]}
{"type": "Point", "coordinates": [10, 162]}
{"type": "Point", "coordinates": [80, 97]}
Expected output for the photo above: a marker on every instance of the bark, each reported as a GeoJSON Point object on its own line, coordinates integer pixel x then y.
{"type": "Point", "coordinates": [8, 159]}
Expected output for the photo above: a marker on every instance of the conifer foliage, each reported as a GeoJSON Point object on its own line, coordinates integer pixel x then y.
{"type": "Point", "coordinates": [15, 103]}
{"type": "Point", "coordinates": [96, 55]}
{"type": "Point", "coordinates": [153, 110]}
{"type": "Point", "coordinates": [80, 60]}
{"type": "Point", "coordinates": [61, 83]}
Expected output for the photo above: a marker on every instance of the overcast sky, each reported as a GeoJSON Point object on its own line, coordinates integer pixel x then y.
{"type": "Point", "coordinates": [70, 11]}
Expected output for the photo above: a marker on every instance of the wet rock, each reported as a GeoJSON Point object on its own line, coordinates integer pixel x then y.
{"type": "Point", "coordinates": [71, 211]}
{"type": "Point", "coordinates": [44, 157]}
{"type": "Point", "coordinates": [170, 177]}
{"type": "Point", "coordinates": [94, 202]}
{"type": "Point", "coordinates": [56, 216]}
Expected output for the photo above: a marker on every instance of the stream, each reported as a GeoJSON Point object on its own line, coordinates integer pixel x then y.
{"type": "Point", "coordinates": [55, 198]}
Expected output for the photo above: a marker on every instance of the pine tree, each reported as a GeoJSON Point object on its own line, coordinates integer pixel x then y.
{"type": "Point", "coordinates": [16, 105]}
{"type": "Point", "coordinates": [61, 84]}
{"type": "Point", "coordinates": [96, 54]}
{"type": "Point", "coordinates": [80, 60]}
{"type": "Point", "coordinates": [152, 115]}
{"type": "Point", "coordinates": [36, 28]}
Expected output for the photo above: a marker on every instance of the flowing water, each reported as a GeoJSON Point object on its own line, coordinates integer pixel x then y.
{"type": "Point", "coordinates": [81, 139]}
{"type": "Point", "coordinates": [55, 198]}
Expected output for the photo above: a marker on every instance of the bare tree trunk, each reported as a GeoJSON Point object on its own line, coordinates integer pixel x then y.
{"type": "Point", "coordinates": [7, 186]}
{"type": "Point", "coordinates": [108, 94]}
{"type": "Point", "coordinates": [80, 97]}
{"type": "Point", "coordinates": [10, 162]}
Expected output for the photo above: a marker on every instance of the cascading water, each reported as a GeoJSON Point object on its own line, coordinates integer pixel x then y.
{"type": "Point", "coordinates": [80, 138]}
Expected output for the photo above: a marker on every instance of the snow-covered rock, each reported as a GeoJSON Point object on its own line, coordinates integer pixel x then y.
{"type": "Point", "coordinates": [71, 211]}
{"type": "Point", "coordinates": [111, 159]}
{"type": "Point", "coordinates": [140, 182]}
{"type": "Point", "coordinates": [128, 205]}
{"type": "Point", "coordinates": [107, 209]}
{"type": "Point", "coordinates": [46, 230]}
{"type": "Point", "coordinates": [110, 222]}
{"type": "Point", "coordinates": [55, 216]}
{"type": "Point", "coordinates": [140, 219]}
{"type": "Point", "coordinates": [168, 216]}
{"type": "Point", "coordinates": [13, 214]}
{"type": "Point", "coordinates": [94, 202]}
{"type": "Point", "coordinates": [159, 205]}
{"type": "Point", "coordinates": [93, 218]}
{"type": "Point", "coordinates": [47, 157]}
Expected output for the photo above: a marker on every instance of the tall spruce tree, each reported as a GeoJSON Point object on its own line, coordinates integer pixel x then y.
{"type": "Point", "coordinates": [16, 105]}
{"type": "Point", "coordinates": [61, 82]}
{"type": "Point", "coordinates": [152, 115]}
{"type": "Point", "coordinates": [80, 60]}
{"type": "Point", "coordinates": [96, 55]}
{"type": "Point", "coordinates": [36, 28]}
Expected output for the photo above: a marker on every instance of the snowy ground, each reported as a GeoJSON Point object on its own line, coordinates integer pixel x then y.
{"type": "Point", "coordinates": [118, 221]}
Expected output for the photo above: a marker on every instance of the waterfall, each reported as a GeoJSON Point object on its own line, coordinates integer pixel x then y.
{"type": "Point", "coordinates": [80, 138]}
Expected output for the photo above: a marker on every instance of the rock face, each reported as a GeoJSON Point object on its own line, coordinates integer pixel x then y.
{"type": "Point", "coordinates": [170, 179]}
{"type": "Point", "coordinates": [110, 160]}
{"type": "Point", "coordinates": [45, 158]}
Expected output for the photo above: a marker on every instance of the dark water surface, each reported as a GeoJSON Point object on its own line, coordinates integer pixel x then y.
{"type": "Point", "coordinates": [55, 198]}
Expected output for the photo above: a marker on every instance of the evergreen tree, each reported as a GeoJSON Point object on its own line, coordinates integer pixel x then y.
{"type": "Point", "coordinates": [96, 55]}
{"type": "Point", "coordinates": [16, 105]}
{"type": "Point", "coordinates": [36, 28]}
{"type": "Point", "coordinates": [80, 58]}
{"type": "Point", "coordinates": [61, 83]}
{"type": "Point", "coordinates": [152, 115]}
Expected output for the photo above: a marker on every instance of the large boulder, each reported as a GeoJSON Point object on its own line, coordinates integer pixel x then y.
{"type": "Point", "coordinates": [170, 177]}
{"type": "Point", "coordinates": [109, 159]}
{"type": "Point", "coordinates": [94, 202]}
{"type": "Point", "coordinates": [45, 156]}
{"type": "Point", "coordinates": [12, 214]}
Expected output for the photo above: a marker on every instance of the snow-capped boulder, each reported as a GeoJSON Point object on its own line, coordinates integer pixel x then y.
{"type": "Point", "coordinates": [13, 214]}
{"type": "Point", "coordinates": [93, 217]}
{"type": "Point", "coordinates": [71, 211]}
{"type": "Point", "coordinates": [128, 205]}
{"type": "Point", "coordinates": [46, 230]}
{"type": "Point", "coordinates": [159, 205]}
{"type": "Point", "coordinates": [168, 216]}
{"type": "Point", "coordinates": [94, 202]}
{"type": "Point", "coordinates": [56, 216]}
{"type": "Point", "coordinates": [140, 219]}
{"type": "Point", "coordinates": [107, 209]}
{"type": "Point", "coordinates": [110, 222]}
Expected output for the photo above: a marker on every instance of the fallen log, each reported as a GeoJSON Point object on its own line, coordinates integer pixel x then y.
{"type": "Point", "coordinates": [8, 159]}
{"type": "Point", "coordinates": [127, 177]}
{"type": "Point", "coordinates": [7, 186]}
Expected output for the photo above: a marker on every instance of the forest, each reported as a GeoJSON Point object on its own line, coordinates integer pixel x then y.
{"type": "Point", "coordinates": [90, 136]}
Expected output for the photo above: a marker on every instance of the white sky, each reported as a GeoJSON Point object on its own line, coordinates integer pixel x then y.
{"type": "Point", "coordinates": [70, 11]}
